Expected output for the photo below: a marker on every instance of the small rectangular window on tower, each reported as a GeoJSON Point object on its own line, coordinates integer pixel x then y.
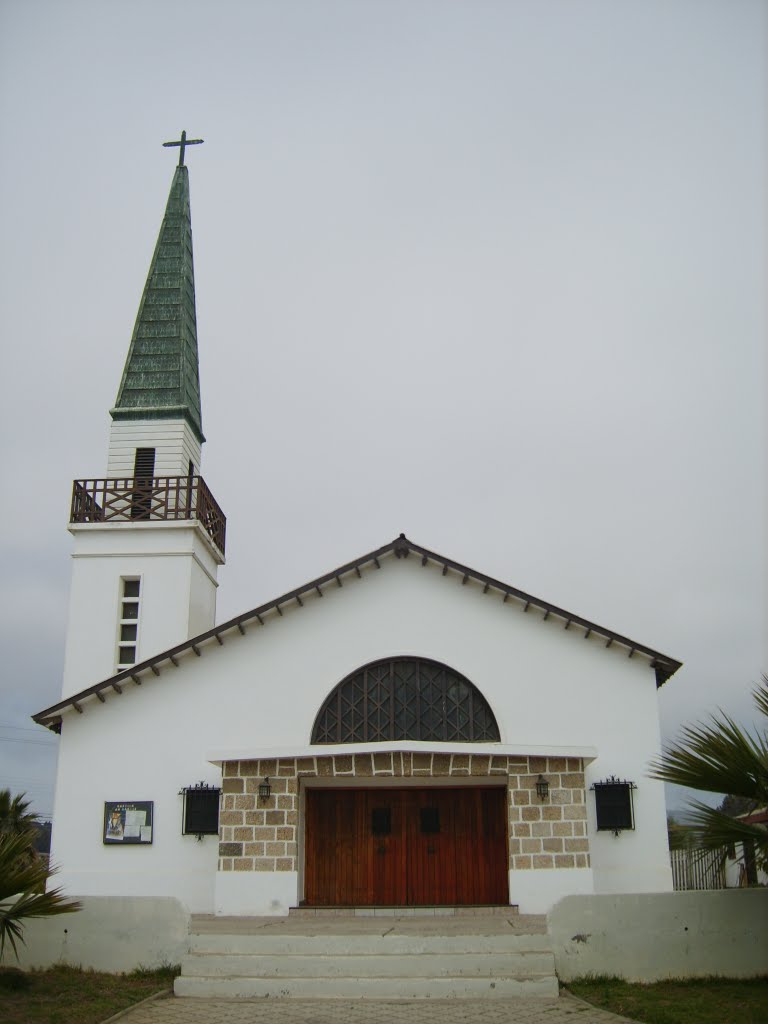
{"type": "Point", "coordinates": [128, 624]}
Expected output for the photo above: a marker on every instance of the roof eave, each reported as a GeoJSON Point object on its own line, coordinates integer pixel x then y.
{"type": "Point", "coordinates": [663, 666]}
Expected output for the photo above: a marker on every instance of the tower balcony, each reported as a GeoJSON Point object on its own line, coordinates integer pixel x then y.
{"type": "Point", "coordinates": [155, 499]}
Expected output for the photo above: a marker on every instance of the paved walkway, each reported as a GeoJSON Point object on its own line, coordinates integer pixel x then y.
{"type": "Point", "coordinates": [172, 1010]}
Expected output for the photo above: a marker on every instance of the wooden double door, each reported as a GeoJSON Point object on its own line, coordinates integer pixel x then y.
{"type": "Point", "coordinates": [406, 847]}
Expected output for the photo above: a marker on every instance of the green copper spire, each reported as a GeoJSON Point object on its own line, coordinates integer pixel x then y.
{"type": "Point", "coordinates": [161, 379]}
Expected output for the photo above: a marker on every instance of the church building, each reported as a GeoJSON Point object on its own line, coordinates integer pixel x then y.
{"type": "Point", "coordinates": [403, 731]}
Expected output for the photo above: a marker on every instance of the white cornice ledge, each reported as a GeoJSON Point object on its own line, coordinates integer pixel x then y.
{"type": "Point", "coordinates": [411, 746]}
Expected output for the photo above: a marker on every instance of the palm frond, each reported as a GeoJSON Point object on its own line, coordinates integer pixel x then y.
{"type": "Point", "coordinates": [718, 757]}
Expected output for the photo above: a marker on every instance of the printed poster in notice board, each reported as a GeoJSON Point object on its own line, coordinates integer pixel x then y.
{"type": "Point", "coordinates": [128, 822]}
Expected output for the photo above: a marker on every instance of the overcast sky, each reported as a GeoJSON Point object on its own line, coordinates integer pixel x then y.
{"type": "Point", "coordinates": [488, 273]}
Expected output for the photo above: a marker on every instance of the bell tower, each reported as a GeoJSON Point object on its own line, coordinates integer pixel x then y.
{"type": "Point", "coordinates": [148, 536]}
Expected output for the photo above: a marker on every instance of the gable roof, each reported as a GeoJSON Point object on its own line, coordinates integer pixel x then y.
{"type": "Point", "coordinates": [401, 547]}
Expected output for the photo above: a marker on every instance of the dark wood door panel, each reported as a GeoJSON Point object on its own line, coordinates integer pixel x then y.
{"type": "Point", "coordinates": [406, 847]}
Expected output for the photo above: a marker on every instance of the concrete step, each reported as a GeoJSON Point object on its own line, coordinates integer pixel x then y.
{"type": "Point", "coordinates": [504, 910]}
{"type": "Point", "coordinates": [367, 988]}
{"type": "Point", "coordinates": [425, 965]}
{"type": "Point", "coordinates": [377, 944]}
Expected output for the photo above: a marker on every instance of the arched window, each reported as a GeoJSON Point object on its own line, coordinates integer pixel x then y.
{"type": "Point", "coordinates": [405, 699]}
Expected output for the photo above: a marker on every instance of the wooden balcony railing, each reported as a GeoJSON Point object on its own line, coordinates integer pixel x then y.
{"type": "Point", "coordinates": [130, 499]}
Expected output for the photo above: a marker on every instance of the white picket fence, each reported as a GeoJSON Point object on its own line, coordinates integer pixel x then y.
{"type": "Point", "coordinates": [694, 870]}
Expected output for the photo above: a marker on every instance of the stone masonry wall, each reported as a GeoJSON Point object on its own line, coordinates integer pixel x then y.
{"type": "Point", "coordinates": [262, 835]}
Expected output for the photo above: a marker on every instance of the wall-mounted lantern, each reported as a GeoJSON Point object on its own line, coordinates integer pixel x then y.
{"type": "Point", "coordinates": [265, 789]}
{"type": "Point", "coordinates": [542, 788]}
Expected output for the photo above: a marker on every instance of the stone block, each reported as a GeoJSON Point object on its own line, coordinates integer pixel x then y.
{"type": "Point", "coordinates": [480, 764]}
{"type": "Point", "coordinates": [382, 764]}
{"type": "Point", "coordinates": [285, 803]}
{"type": "Point", "coordinates": [521, 829]}
{"type": "Point", "coordinates": [274, 849]}
{"type": "Point", "coordinates": [264, 834]}
{"type": "Point", "coordinates": [231, 818]}
{"type": "Point", "coordinates": [572, 780]}
{"type": "Point", "coordinates": [541, 828]}
{"type": "Point", "coordinates": [514, 846]}
{"type": "Point", "coordinates": [575, 765]}
{"type": "Point", "coordinates": [582, 860]}
{"type": "Point", "coordinates": [243, 834]}
{"type": "Point", "coordinates": [268, 767]}
{"type": "Point", "coordinates": [249, 768]}
{"type": "Point", "coordinates": [576, 845]}
{"type": "Point", "coordinates": [557, 764]}
{"type": "Point", "coordinates": [232, 785]}
{"type": "Point", "coordinates": [363, 765]}
{"type": "Point", "coordinates": [230, 768]}
{"type": "Point", "coordinates": [264, 864]}
{"type": "Point", "coordinates": [537, 765]}
{"type": "Point", "coordinates": [286, 833]}
{"type": "Point", "coordinates": [230, 849]}
{"type": "Point", "coordinates": [342, 764]}
{"type": "Point", "coordinates": [284, 864]}
{"type": "Point", "coordinates": [441, 764]}
{"type": "Point", "coordinates": [254, 817]}
{"type": "Point", "coordinates": [543, 861]}
{"type": "Point", "coordinates": [531, 813]}
{"type": "Point", "coordinates": [575, 813]}
{"type": "Point", "coordinates": [551, 813]}
{"type": "Point", "coordinates": [520, 797]}
{"type": "Point", "coordinates": [562, 828]}
{"type": "Point", "coordinates": [286, 766]}
{"type": "Point", "coordinates": [565, 860]}
{"type": "Point", "coordinates": [553, 845]}
{"type": "Point", "coordinates": [460, 764]}
{"type": "Point", "coordinates": [499, 765]}
{"type": "Point", "coordinates": [531, 845]}
{"type": "Point", "coordinates": [253, 849]}
{"type": "Point", "coordinates": [243, 864]}
{"type": "Point", "coordinates": [245, 803]}
{"type": "Point", "coordinates": [275, 817]}
{"type": "Point", "coordinates": [523, 862]}
{"type": "Point", "coordinates": [422, 763]}
{"type": "Point", "coordinates": [324, 766]}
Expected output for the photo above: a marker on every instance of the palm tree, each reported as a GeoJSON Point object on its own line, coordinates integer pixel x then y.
{"type": "Point", "coordinates": [23, 874]}
{"type": "Point", "coordinates": [15, 816]}
{"type": "Point", "coordinates": [720, 757]}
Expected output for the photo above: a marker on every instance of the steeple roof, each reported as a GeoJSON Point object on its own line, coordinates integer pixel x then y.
{"type": "Point", "coordinates": [161, 378]}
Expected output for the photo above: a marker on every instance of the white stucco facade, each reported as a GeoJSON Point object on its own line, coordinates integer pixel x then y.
{"type": "Point", "coordinates": [176, 564]}
{"type": "Point", "coordinates": [552, 690]}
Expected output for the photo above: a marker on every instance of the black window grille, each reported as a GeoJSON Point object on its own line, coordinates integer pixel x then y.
{"type": "Point", "coordinates": [613, 805]}
{"type": "Point", "coordinates": [201, 810]}
{"type": "Point", "coordinates": [405, 699]}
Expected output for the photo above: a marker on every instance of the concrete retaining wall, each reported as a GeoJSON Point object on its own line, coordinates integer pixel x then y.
{"type": "Point", "coordinates": [652, 936]}
{"type": "Point", "coordinates": [108, 934]}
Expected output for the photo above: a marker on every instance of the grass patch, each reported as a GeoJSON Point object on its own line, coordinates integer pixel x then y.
{"type": "Point", "coordinates": [70, 995]}
{"type": "Point", "coordinates": [694, 1001]}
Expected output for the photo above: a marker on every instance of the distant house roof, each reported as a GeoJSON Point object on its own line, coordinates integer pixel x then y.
{"type": "Point", "coordinates": [401, 547]}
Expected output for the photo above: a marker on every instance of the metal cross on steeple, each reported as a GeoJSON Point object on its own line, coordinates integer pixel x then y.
{"type": "Point", "coordinates": [183, 143]}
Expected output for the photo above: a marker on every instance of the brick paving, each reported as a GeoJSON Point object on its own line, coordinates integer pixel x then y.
{"type": "Point", "coordinates": [565, 1010]}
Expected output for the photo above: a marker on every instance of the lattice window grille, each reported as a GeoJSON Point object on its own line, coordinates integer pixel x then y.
{"type": "Point", "coordinates": [405, 699]}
